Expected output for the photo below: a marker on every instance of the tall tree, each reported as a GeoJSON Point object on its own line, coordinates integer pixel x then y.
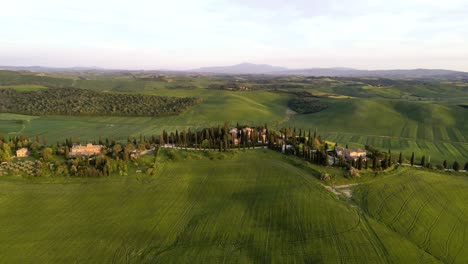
{"type": "Point", "coordinates": [423, 161]}
{"type": "Point", "coordinates": [67, 152]}
{"type": "Point", "coordinates": [466, 166]}
{"type": "Point", "coordinates": [374, 163]}
{"type": "Point", "coordinates": [400, 158]}
{"type": "Point", "coordinates": [359, 163]}
{"type": "Point", "coordinates": [412, 159]}
{"type": "Point", "coordinates": [444, 164]}
{"type": "Point", "coordinates": [456, 166]}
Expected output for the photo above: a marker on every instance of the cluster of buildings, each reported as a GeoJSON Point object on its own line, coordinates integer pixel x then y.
{"type": "Point", "coordinates": [88, 150]}
{"type": "Point", "coordinates": [76, 150]}
{"type": "Point", "coordinates": [237, 134]}
{"type": "Point", "coordinates": [350, 154]}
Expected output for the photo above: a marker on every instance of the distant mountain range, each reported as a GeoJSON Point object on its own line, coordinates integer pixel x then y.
{"type": "Point", "coordinates": [243, 68]}
{"type": "Point", "coordinates": [248, 68]}
{"type": "Point", "coordinates": [51, 69]}
{"type": "Point", "coordinates": [265, 69]}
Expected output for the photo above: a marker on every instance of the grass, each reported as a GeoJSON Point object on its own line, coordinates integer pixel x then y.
{"type": "Point", "coordinates": [249, 207]}
{"type": "Point", "coordinates": [383, 117]}
{"type": "Point", "coordinates": [430, 129]}
{"type": "Point", "coordinates": [427, 208]}
{"type": "Point", "coordinates": [218, 107]}
{"type": "Point", "coordinates": [24, 88]}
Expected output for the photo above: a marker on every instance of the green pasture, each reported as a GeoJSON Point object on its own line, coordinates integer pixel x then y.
{"type": "Point", "coordinates": [430, 129]}
{"type": "Point", "coordinates": [218, 107]}
{"type": "Point", "coordinates": [26, 87]}
{"type": "Point", "coordinates": [387, 117]}
{"type": "Point", "coordinates": [425, 207]}
{"type": "Point", "coordinates": [250, 207]}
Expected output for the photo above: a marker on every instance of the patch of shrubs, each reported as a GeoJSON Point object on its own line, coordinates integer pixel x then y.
{"type": "Point", "coordinates": [306, 105]}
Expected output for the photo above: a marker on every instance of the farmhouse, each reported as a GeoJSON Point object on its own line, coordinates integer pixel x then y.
{"type": "Point", "coordinates": [87, 150]}
{"type": "Point", "coordinates": [350, 154]}
{"type": "Point", "coordinates": [22, 152]}
{"type": "Point", "coordinates": [246, 131]}
{"type": "Point", "coordinates": [242, 133]}
{"type": "Point", "coordinates": [263, 135]}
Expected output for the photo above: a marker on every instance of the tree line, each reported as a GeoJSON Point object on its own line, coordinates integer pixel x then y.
{"type": "Point", "coordinates": [74, 101]}
{"type": "Point", "coordinates": [115, 155]}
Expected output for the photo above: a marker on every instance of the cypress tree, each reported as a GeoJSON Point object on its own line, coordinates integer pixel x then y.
{"type": "Point", "coordinates": [390, 158]}
{"type": "Point", "coordinates": [444, 164]}
{"type": "Point", "coordinates": [456, 166]}
{"type": "Point", "coordinates": [400, 159]}
{"type": "Point", "coordinates": [466, 166]}
{"type": "Point", "coordinates": [423, 161]}
{"type": "Point", "coordinates": [412, 159]}
{"type": "Point", "coordinates": [225, 142]}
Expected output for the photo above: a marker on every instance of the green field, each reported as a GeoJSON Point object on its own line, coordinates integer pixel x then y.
{"type": "Point", "coordinates": [432, 129]}
{"type": "Point", "coordinates": [24, 88]}
{"type": "Point", "coordinates": [217, 107]}
{"type": "Point", "coordinates": [421, 117]}
{"type": "Point", "coordinates": [249, 207]}
{"type": "Point", "coordinates": [425, 207]}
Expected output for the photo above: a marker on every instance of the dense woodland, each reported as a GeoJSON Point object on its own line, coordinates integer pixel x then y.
{"type": "Point", "coordinates": [73, 101]}
{"type": "Point", "coordinates": [306, 105]}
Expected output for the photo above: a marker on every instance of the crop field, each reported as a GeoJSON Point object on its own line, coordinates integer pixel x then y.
{"type": "Point", "coordinates": [253, 207]}
{"type": "Point", "coordinates": [427, 208]}
{"type": "Point", "coordinates": [430, 129]}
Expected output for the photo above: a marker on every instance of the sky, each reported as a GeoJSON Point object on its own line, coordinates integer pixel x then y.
{"type": "Point", "coordinates": [183, 34]}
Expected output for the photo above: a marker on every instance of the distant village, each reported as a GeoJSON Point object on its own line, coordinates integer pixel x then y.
{"type": "Point", "coordinates": [308, 146]}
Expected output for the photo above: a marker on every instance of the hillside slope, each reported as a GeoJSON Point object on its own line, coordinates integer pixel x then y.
{"type": "Point", "coordinates": [253, 207]}
{"type": "Point", "coordinates": [425, 207]}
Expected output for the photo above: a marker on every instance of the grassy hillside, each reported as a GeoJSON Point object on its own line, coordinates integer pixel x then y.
{"type": "Point", "coordinates": [253, 207]}
{"type": "Point", "coordinates": [425, 207]}
{"type": "Point", "coordinates": [420, 116]}
{"type": "Point", "coordinates": [217, 107]}
{"type": "Point", "coordinates": [431, 129]}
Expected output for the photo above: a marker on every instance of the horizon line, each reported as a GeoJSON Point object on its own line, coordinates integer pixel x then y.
{"type": "Point", "coordinates": [221, 66]}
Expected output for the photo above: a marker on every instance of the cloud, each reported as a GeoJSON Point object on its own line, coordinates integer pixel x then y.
{"type": "Point", "coordinates": [185, 33]}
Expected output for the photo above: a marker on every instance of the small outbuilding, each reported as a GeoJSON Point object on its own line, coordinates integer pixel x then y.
{"type": "Point", "coordinates": [22, 152]}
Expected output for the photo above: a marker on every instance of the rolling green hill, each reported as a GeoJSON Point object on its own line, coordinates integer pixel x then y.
{"type": "Point", "coordinates": [427, 208]}
{"type": "Point", "coordinates": [251, 207]}
{"type": "Point", "coordinates": [421, 116]}
{"type": "Point", "coordinates": [431, 129]}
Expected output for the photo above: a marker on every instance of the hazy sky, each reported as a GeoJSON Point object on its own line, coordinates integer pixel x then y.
{"type": "Point", "coordinates": [183, 34]}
